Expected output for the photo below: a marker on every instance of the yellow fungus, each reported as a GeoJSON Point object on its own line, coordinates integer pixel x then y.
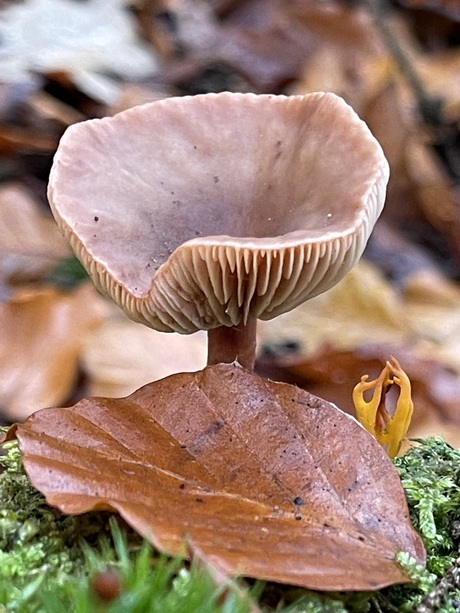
{"type": "Point", "coordinates": [388, 429]}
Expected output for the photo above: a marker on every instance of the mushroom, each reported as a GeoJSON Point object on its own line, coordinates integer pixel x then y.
{"type": "Point", "coordinates": [212, 211]}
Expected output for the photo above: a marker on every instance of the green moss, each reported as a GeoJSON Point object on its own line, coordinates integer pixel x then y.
{"type": "Point", "coordinates": [34, 537]}
{"type": "Point", "coordinates": [430, 473]}
{"type": "Point", "coordinates": [47, 559]}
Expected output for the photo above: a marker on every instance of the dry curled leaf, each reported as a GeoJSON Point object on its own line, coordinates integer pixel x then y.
{"type": "Point", "coordinates": [59, 34]}
{"type": "Point", "coordinates": [41, 335]}
{"type": "Point", "coordinates": [120, 356]}
{"type": "Point", "coordinates": [450, 8]}
{"type": "Point", "coordinates": [360, 309]}
{"type": "Point", "coordinates": [30, 241]}
{"type": "Point", "coordinates": [331, 373]}
{"type": "Point", "coordinates": [348, 56]}
{"type": "Point", "coordinates": [264, 478]}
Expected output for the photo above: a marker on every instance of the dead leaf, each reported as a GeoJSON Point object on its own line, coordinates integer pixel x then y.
{"type": "Point", "coordinates": [265, 44]}
{"type": "Point", "coordinates": [58, 34]}
{"type": "Point", "coordinates": [156, 29]}
{"type": "Point", "coordinates": [363, 308]}
{"type": "Point", "coordinates": [440, 73]}
{"type": "Point", "coordinates": [432, 305]}
{"type": "Point", "coordinates": [16, 139]}
{"type": "Point", "coordinates": [266, 479]}
{"type": "Point", "coordinates": [389, 121]}
{"type": "Point", "coordinates": [31, 243]}
{"type": "Point", "coordinates": [348, 57]}
{"type": "Point", "coordinates": [437, 196]}
{"type": "Point", "coordinates": [332, 374]}
{"type": "Point", "coordinates": [433, 425]}
{"type": "Point", "coordinates": [267, 41]}
{"type": "Point", "coordinates": [41, 335]}
{"type": "Point", "coordinates": [133, 94]}
{"type": "Point", "coordinates": [397, 257]}
{"type": "Point", "coordinates": [120, 356]}
{"type": "Point", "coordinates": [48, 114]}
{"type": "Point", "coordinates": [450, 8]}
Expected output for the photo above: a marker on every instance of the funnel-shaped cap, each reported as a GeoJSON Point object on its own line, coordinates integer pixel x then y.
{"type": "Point", "coordinates": [202, 211]}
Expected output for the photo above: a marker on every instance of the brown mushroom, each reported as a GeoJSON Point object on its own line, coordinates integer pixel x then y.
{"type": "Point", "coordinates": [211, 211]}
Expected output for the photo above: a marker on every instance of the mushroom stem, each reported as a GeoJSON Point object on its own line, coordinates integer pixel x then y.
{"type": "Point", "coordinates": [230, 344]}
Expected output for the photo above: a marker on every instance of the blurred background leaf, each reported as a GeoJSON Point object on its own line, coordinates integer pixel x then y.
{"type": "Point", "coordinates": [397, 63]}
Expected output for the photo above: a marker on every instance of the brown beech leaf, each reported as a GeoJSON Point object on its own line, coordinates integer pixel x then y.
{"type": "Point", "coordinates": [362, 308]}
{"type": "Point", "coordinates": [31, 244]}
{"type": "Point", "coordinates": [348, 56]}
{"type": "Point", "coordinates": [120, 355]}
{"type": "Point", "coordinates": [16, 139]}
{"type": "Point", "coordinates": [332, 374]}
{"type": "Point", "coordinates": [264, 478]}
{"type": "Point", "coordinates": [41, 336]}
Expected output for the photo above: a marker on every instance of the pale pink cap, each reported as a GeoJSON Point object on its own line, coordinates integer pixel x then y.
{"type": "Point", "coordinates": [210, 210]}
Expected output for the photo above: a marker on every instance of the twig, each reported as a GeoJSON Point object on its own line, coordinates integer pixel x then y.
{"type": "Point", "coordinates": [430, 107]}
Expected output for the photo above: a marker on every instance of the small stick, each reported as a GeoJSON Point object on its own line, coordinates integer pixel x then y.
{"type": "Point", "coordinates": [430, 107]}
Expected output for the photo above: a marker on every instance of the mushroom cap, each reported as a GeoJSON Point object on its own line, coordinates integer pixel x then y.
{"type": "Point", "coordinates": [208, 210]}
